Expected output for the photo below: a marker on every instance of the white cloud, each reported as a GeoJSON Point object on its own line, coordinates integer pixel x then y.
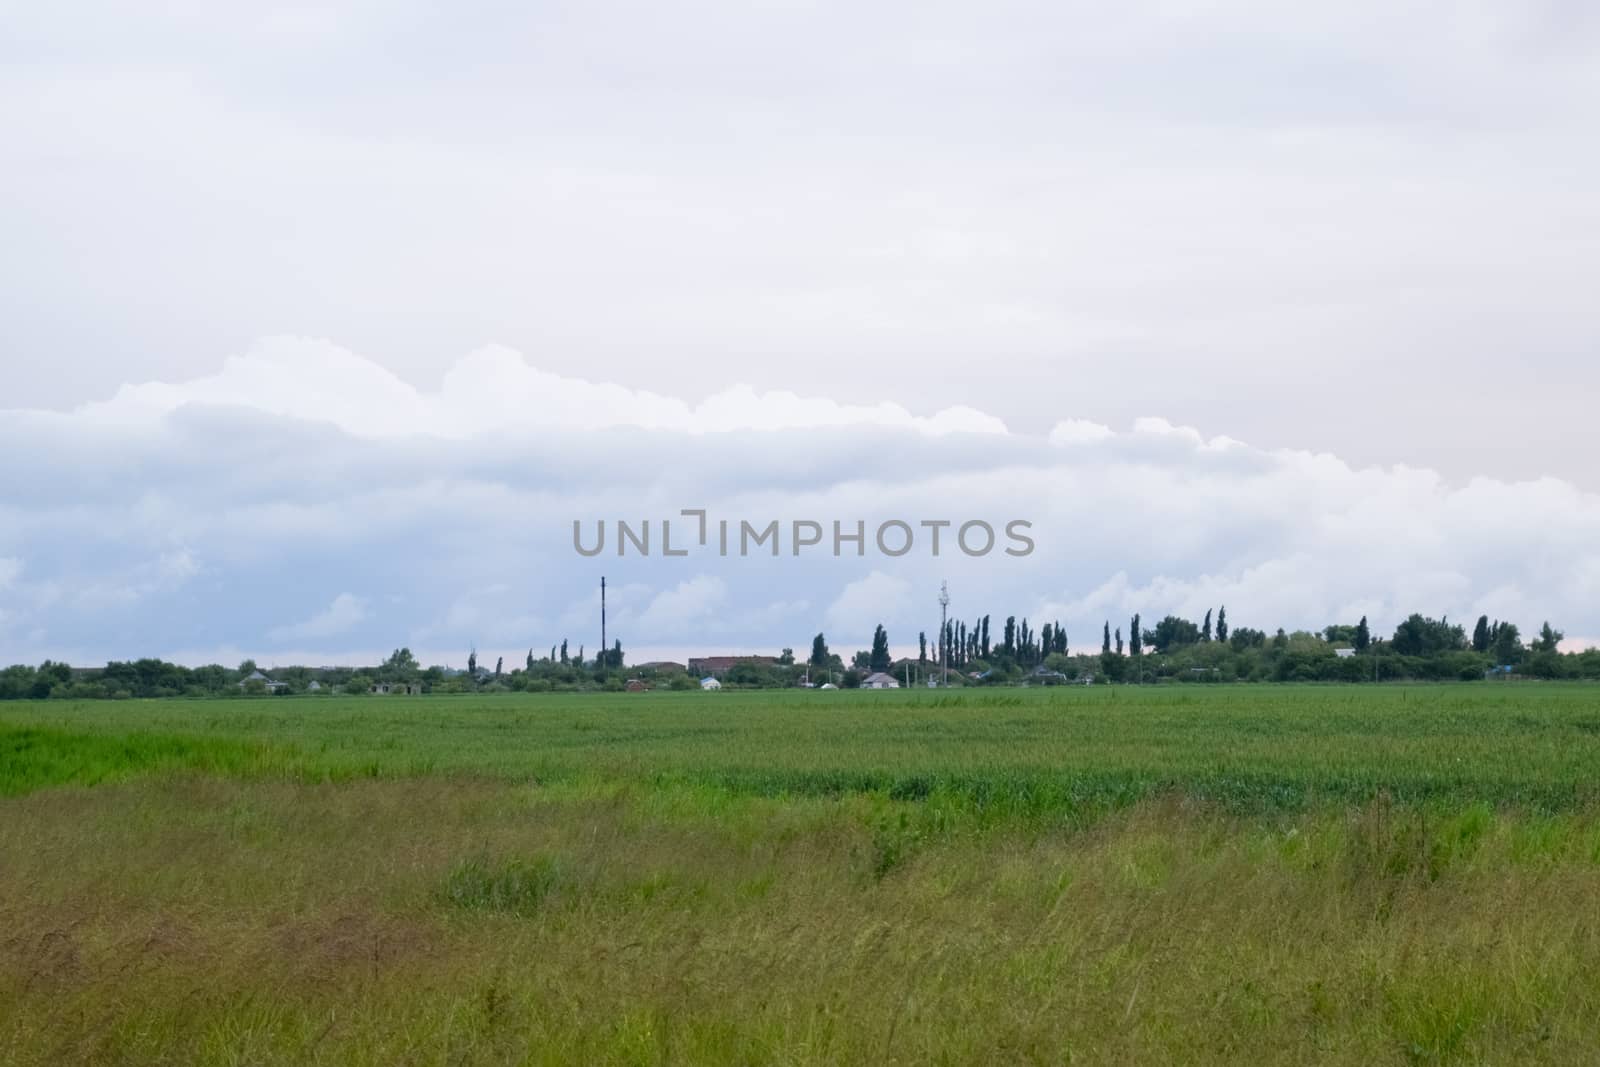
{"type": "Point", "coordinates": [862, 604]}
{"type": "Point", "coordinates": [206, 528]}
{"type": "Point", "coordinates": [1078, 431]}
{"type": "Point", "coordinates": [490, 391]}
{"type": "Point", "coordinates": [687, 606]}
{"type": "Point", "coordinates": [344, 613]}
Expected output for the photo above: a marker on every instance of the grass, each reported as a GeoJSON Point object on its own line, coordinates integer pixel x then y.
{"type": "Point", "coordinates": [1201, 875]}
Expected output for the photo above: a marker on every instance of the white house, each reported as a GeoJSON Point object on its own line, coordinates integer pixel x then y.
{"type": "Point", "coordinates": [267, 683]}
{"type": "Point", "coordinates": [1344, 653]}
{"type": "Point", "coordinates": [709, 682]}
{"type": "Point", "coordinates": [879, 680]}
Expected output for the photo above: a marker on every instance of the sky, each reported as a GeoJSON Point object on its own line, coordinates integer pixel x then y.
{"type": "Point", "coordinates": [321, 325]}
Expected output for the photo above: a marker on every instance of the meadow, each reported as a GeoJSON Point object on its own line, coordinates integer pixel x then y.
{"type": "Point", "coordinates": [1169, 874]}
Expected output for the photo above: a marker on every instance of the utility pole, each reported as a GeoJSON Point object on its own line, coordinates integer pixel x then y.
{"type": "Point", "coordinates": [603, 647]}
{"type": "Point", "coordinates": [944, 643]}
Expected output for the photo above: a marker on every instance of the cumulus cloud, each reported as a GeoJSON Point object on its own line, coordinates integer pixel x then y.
{"type": "Point", "coordinates": [878, 597]}
{"type": "Point", "coordinates": [195, 516]}
{"type": "Point", "coordinates": [337, 618]}
{"type": "Point", "coordinates": [489, 391]}
{"type": "Point", "coordinates": [683, 608]}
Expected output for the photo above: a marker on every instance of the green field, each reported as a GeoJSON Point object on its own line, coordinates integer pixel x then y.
{"type": "Point", "coordinates": [1191, 874]}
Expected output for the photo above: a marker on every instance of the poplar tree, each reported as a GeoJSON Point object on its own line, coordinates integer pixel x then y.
{"type": "Point", "coordinates": [880, 649]}
{"type": "Point", "coordinates": [819, 651]}
{"type": "Point", "coordinates": [1481, 637]}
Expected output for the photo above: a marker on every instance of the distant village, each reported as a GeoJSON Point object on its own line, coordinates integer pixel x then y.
{"type": "Point", "coordinates": [1174, 651]}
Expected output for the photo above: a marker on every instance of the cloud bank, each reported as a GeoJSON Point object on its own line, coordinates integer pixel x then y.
{"type": "Point", "coordinates": [1263, 218]}
{"type": "Point", "coordinates": [303, 502]}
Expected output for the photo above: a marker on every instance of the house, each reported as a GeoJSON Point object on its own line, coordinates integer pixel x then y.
{"type": "Point", "coordinates": [314, 687]}
{"type": "Point", "coordinates": [827, 685]}
{"type": "Point", "coordinates": [405, 688]}
{"type": "Point", "coordinates": [257, 676]}
{"type": "Point", "coordinates": [879, 680]}
{"type": "Point", "coordinates": [714, 666]}
{"type": "Point", "coordinates": [660, 665]}
{"type": "Point", "coordinates": [634, 685]}
{"type": "Point", "coordinates": [1344, 653]}
{"type": "Point", "coordinates": [709, 682]}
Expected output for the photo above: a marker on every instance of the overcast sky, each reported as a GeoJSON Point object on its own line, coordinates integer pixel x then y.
{"type": "Point", "coordinates": [1361, 238]}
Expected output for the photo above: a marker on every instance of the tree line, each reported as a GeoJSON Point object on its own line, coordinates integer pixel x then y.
{"type": "Point", "coordinates": [1174, 649]}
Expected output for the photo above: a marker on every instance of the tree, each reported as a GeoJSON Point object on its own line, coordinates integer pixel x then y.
{"type": "Point", "coordinates": [1507, 643]}
{"type": "Point", "coordinates": [1363, 638]}
{"type": "Point", "coordinates": [1105, 640]}
{"type": "Point", "coordinates": [1222, 623]}
{"type": "Point", "coordinates": [1481, 638]}
{"type": "Point", "coordinates": [563, 650]}
{"type": "Point", "coordinates": [1205, 630]}
{"type": "Point", "coordinates": [1244, 637]}
{"type": "Point", "coordinates": [529, 664]}
{"type": "Point", "coordinates": [819, 652]}
{"type": "Point", "coordinates": [1119, 640]}
{"type": "Point", "coordinates": [879, 659]}
{"type": "Point", "coordinates": [1135, 637]}
{"type": "Point", "coordinates": [1172, 632]}
{"type": "Point", "coordinates": [1548, 638]}
{"type": "Point", "coordinates": [786, 658]}
{"type": "Point", "coordinates": [922, 646]}
{"type": "Point", "coordinates": [401, 666]}
{"type": "Point", "coordinates": [1419, 636]}
{"type": "Point", "coordinates": [499, 662]}
{"type": "Point", "coordinates": [472, 662]}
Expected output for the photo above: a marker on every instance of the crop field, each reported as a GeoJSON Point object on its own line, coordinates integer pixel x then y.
{"type": "Point", "coordinates": [1201, 874]}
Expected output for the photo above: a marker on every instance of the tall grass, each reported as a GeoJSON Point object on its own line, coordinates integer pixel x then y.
{"type": "Point", "coordinates": [1128, 876]}
{"type": "Point", "coordinates": [196, 920]}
